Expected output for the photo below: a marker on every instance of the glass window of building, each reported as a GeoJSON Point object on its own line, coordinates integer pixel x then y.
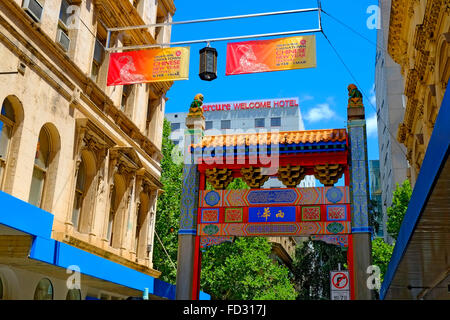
{"type": "Point", "coordinates": [208, 125]}
{"type": "Point", "coordinates": [7, 119]}
{"type": "Point", "coordinates": [275, 122]}
{"type": "Point", "coordinates": [260, 123]}
{"type": "Point", "coordinates": [175, 126]}
{"type": "Point", "coordinates": [99, 53]}
{"type": "Point", "coordinates": [40, 168]}
{"type": "Point", "coordinates": [73, 294]}
{"type": "Point", "coordinates": [44, 290]}
{"type": "Point", "coordinates": [225, 124]}
{"type": "Point", "coordinates": [65, 17]}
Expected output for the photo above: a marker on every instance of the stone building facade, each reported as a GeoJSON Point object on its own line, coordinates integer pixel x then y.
{"type": "Point", "coordinates": [87, 153]}
{"type": "Point", "coordinates": [419, 41]}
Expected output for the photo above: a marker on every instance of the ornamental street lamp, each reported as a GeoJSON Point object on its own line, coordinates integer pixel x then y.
{"type": "Point", "coordinates": [208, 63]}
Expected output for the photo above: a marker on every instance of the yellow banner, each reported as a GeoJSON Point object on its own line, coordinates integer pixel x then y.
{"type": "Point", "coordinates": [149, 66]}
{"type": "Point", "coordinates": [271, 55]}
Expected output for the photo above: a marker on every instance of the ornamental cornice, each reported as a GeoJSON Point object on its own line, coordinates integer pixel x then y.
{"type": "Point", "coordinates": [397, 44]}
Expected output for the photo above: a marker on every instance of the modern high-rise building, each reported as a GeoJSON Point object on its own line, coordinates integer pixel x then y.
{"type": "Point", "coordinates": [259, 115]}
{"type": "Point", "coordinates": [79, 161]}
{"type": "Point", "coordinates": [390, 112]}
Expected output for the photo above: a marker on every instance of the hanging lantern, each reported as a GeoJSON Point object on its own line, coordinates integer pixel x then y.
{"type": "Point", "coordinates": [208, 63]}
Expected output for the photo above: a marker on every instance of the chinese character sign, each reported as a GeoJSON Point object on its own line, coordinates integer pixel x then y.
{"type": "Point", "coordinates": [271, 214]}
{"type": "Point", "coordinates": [271, 55]}
{"type": "Point", "coordinates": [148, 66]}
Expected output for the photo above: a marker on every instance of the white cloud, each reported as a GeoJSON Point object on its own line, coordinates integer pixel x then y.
{"type": "Point", "coordinates": [321, 112]}
{"type": "Point", "coordinates": [306, 97]}
{"type": "Point", "coordinates": [373, 97]}
{"type": "Point", "coordinates": [371, 126]}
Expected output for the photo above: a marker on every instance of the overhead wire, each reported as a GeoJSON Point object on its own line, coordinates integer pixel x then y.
{"type": "Point", "coordinates": [362, 91]}
{"type": "Point", "coordinates": [164, 248]}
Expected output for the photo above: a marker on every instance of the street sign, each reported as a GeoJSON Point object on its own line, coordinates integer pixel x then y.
{"type": "Point", "coordinates": [339, 280]}
{"type": "Point", "coordinates": [340, 295]}
{"type": "Point", "coordinates": [340, 285]}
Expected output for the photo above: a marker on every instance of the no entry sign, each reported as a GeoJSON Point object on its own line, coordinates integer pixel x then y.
{"type": "Point", "coordinates": [340, 281]}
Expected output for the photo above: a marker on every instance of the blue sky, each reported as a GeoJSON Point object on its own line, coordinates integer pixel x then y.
{"type": "Point", "coordinates": [322, 90]}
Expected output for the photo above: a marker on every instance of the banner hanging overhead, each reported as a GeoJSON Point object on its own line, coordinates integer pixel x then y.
{"type": "Point", "coordinates": [271, 55]}
{"type": "Point", "coordinates": [148, 66]}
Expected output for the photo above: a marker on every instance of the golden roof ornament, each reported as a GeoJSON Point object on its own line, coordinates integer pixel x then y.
{"type": "Point", "coordinates": [196, 110]}
{"type": "Point", "coordinates": [355, 97]}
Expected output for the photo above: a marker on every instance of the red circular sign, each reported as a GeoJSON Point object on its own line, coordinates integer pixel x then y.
{"type": "Point", "coordinates": [339, 280]}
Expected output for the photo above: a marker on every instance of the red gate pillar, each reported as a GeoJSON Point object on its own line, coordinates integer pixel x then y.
{"type": "Point", "coordinates": [188, 241]}
{"type": "Point", "coordinates": [197, 252]}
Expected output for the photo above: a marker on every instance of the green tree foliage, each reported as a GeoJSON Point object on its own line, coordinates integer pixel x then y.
{"type": "Point", "coordinates": [243, 270]}
{"type": "Point", "coordinates": [312, 265]}
{"type": "Point", "coordinates": [381, 255]}
{"type": "Point", "coordinates": [375, 215]}
{"type": "Point", "coordinates": [396, 212]}
{"type": "Point", "coordinates": [239, 270]}
{"type": "Point", "coordinates": [168, 210]}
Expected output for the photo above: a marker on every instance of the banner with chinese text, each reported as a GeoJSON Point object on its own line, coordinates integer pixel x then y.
{"type": "Point", "coordinates": [148, 66]}
{"type": "Point", "coordinates": [271, 55]}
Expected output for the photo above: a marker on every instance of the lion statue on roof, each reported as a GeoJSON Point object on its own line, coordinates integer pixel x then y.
{"type": "Point", "coordinates": [355, 97]}
{"type": "Point", "coordinates": [196, 110]}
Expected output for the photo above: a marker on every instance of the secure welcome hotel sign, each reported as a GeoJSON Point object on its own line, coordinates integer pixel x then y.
{"type": "Point", "coordinates": [271, 55]}
{"type": "Point", "coordinates": [151, 65]}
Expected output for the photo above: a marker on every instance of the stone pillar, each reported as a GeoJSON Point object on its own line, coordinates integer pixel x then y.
{"type": "Point", "coordinates": [195, 123]}
{"type": "Point", "coordinates": [359, 194]}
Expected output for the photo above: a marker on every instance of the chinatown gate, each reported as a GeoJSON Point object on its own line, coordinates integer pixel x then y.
{"type": "Point", "coordinates": [333, 214]}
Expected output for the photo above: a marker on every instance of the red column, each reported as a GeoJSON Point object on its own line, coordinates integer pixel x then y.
{"type": "Point", "coordinates": [351, 266]}
{"type": "Point", "coordinates": [347, 176]}
{"type": "Point", "coordinates": [197, 253]}
{"type": "Point", "coordinates": [197, 269]}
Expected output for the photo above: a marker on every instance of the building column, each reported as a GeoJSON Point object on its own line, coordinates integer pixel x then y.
{"type": "Point", "coordinates": [359, 194]}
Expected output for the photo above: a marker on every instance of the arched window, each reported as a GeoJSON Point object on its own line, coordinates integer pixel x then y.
{"type": "Point", "coordinates": [7, 121]}
{"type": "Point", "coordinates": [44, 290]}
{"type": "Point", "coordinates": [80, 192]}
{"type": "Point", "coordinates": [140, 238]}
{"type": "Point", "coordinates": [118, 204]}
{"type": "Point", "coordinates": [41, 163]}
{"type": "Point", "coordinates": [73, 294]}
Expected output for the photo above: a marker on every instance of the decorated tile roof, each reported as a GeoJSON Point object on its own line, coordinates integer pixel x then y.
{"type": "Point", "coordinates": [309, 137]}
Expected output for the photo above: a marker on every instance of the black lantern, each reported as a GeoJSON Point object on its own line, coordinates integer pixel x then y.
{"type": "Point", "coordinates": [208, 63]}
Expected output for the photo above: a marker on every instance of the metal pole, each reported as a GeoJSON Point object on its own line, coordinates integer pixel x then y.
{"type": "Point", "coordinates": [213, 19]}
{"type": "Point", "coordinates": [319, 4]}
{"type": "Point", "coordinates": [215, 39]}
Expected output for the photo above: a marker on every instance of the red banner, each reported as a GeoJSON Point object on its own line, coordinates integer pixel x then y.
{"type": "Point", "coordinates": [271, 55]}
{"type": "Point", "coordinates": [148, 66]}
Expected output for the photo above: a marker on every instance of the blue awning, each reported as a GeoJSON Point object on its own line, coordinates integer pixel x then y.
{"type": "Point", "coordinates": [419, 267]}
{"type": "Point", "coordinates": [30, 220]}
